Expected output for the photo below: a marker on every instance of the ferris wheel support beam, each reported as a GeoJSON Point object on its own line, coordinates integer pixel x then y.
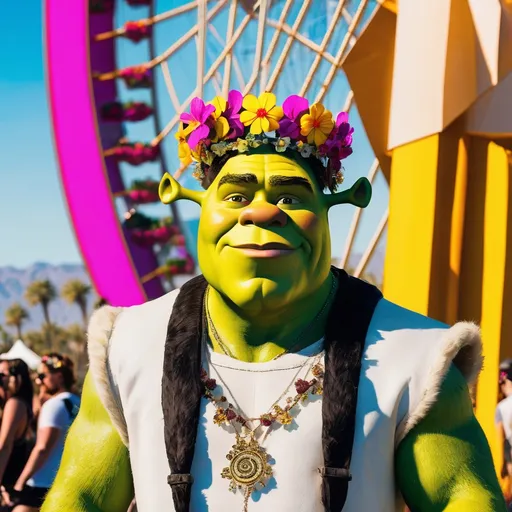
{"type": "Point", "coordinates": [79, 150]}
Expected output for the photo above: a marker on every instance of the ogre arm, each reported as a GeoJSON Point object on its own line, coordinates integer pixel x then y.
{"type": "Point", "coordinates": [444, 463]}
{"type": "Point", "coordinates": [95, 474]}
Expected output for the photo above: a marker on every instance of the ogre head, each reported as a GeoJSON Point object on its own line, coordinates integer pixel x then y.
{"type": "Point", "coordinates": [263, 233]}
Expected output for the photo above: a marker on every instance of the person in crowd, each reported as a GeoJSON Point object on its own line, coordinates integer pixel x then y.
{"type": "Point", "coordinates": [503, 420]}
{"type": "Point", "coordinates": [56, 416]}
{"type": "Point", "coordinates": [16, 394]}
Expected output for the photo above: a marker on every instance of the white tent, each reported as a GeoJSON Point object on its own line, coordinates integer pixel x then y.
{"type": "Point", "coordinates": [20, 351]}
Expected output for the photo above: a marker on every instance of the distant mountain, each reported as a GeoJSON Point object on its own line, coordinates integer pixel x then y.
{"type": "Point", "coordinates": [14, 281]}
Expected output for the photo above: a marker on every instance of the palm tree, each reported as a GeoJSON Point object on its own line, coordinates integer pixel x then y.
{"type": "Point", "coordinates": [6, 340]}
{"type": "Point", "coordinates": [76, 291]}
{"type": "Point", "coordinates": [15, 315]}
{"type": "Point", "coordinates": [42, 292]}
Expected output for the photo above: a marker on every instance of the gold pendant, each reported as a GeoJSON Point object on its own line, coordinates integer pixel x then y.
{"type": "Point", "coordinates": [248, 467]}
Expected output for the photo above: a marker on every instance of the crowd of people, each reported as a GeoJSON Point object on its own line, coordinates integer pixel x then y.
{"type": "Point", "coordinates": [37, 410]}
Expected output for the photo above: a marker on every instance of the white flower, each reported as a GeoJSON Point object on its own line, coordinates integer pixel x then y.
{"type": "Point", "coordinates": [282, 144]}
{"type": "Point", "coordinates": [306, 150]}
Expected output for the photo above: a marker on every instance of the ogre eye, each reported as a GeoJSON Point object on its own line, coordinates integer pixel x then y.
{"type": "Point", "coordinates": [288, 200]}
{"type": "Point", "coordinates": [237, 198]}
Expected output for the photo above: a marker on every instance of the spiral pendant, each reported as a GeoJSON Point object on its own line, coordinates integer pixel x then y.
{"type": "Point", "coordinates": [248, 468]}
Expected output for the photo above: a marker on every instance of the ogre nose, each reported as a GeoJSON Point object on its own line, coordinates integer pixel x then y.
{"type": "Point", "coordinates": [263, 215]}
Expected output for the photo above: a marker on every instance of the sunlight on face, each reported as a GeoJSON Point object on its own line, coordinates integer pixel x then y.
{"type": "Point", "coordinates": [263, 231]}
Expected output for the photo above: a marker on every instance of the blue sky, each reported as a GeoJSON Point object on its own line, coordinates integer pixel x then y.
{"type": "Point", "coordinates": [35, 224]}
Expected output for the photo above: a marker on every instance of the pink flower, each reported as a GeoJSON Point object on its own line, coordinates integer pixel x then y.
{"type": "Point", "coordinates": [232, 114]}
{"type": "Point", "coordinates": [293, 107]}
{"type": "Point", "coordinates": [199, 114]}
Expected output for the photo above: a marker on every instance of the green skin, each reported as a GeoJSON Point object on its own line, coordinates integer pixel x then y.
{"type": "Point", "coordinates": [259, 307]}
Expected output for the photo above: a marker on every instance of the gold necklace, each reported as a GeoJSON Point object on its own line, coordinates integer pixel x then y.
{"type": "Point", "coordinates": [292, 349]}
{"type": "Point", "coordinates": [249, 467]}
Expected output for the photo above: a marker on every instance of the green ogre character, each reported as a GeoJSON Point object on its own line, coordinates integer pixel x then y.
{"type": "Point", "coordinates": [274, 381]}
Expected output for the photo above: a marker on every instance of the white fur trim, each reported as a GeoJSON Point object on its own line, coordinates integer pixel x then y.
{"type": "Point", "coordinates": [100, 330]}
{"type": "Point", "coordinates": [462, 345]}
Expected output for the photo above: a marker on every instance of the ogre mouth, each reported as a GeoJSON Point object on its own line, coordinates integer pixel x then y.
{"type": "Point", "coordinates": [270, 250]}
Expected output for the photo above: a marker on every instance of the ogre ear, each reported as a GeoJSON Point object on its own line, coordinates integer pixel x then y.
{"type": "Point", "coordinates": [170, 190]}
{"type": "Point", "coordinates": [359, 194]}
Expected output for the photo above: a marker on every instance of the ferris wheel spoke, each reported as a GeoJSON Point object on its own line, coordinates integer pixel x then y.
{"type": "Point", "coordinates": [260, 39]}
{"type": "Point", "coordinates": [323, 47]}
{"type": "Point", "coordinates": [265, 65]}
{"type": "Point", "coordinates": [189, 35]}
{"type": "Point", "coordinates": [291, 38]}
{"type": "Point", "coordinates": [355, 220]}
{"type": "Point", "coordinates": [228, 48]}
{"type": "Point", "coordinates": [201, 45]}
{"type": "Point", "coordinates": [342, 50]}
{"type": "Point", "coordinates": [372, 245]}
{"type": "Point", "coordinates": [349, 101]}
{"type": "Point", "coordinates": [229, 56]}
{"type": "Point", "coordinates": [166, 72]}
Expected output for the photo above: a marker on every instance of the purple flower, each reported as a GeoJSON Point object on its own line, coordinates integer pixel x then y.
{"type": "Point", "coordinates": [337, 146]}
{"type": "Point", "coordinates": [199, 114]}
{"type": "Point", "coordinates": [293, 108]}
{"type": "Point", "coordinates": [344, 130]}
{"type": "Point", "coordinates": [233, 116]}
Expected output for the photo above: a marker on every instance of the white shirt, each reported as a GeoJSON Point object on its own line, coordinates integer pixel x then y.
{"type": "Point", "coordinates": [405, 359]}
{"type": "Point", "coordinates": [504, 416]}
{"type": "Point", "coordinates": [55, 414]}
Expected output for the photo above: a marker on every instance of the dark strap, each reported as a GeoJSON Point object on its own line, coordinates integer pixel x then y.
{"type": "Point", "coordinates": [341, 473]}
{"type": "Point", "coordinates": [182, 388]}
{"type": "Point", "coordinates": [345, 337]}
{"type": "Point", "coordinates": [177, 479]}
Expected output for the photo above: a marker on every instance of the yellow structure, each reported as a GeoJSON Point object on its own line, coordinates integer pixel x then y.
{"type": "Point", "coordinates": [432, 81]}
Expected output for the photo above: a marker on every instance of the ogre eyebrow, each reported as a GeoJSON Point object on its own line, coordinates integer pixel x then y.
{"type": "Point", "coordinates": [286, 181]}
{"type": "Point", "coordinates": [238, 179]}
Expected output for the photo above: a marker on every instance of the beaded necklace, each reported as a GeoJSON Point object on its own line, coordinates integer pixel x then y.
{"type": "Point", "coordinates": [249, 469]}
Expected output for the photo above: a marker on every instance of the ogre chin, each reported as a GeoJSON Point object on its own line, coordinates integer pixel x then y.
{"type": "Point", "coordinates": [260, 294]}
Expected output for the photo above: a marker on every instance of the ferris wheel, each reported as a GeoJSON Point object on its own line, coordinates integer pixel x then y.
{"type": "Point", "coordinates": [119, 75]}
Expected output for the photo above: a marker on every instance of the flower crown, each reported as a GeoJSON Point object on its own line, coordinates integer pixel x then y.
{"type": "Point", "coordinates": [52, 362]}
{"type": "Point", "coordinates": [239, 123]}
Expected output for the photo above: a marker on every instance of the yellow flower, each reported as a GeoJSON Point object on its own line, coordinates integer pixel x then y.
{"type": "Point", "coordinates": [284, 418]}
{"type": "Point", "coordinates": [242, 145]}
{"type": "Point", "coordinates": [220, 417]}
{"type": "Point", "coordinates": [221, 123]}
{"type": "Point", "coordinates": [261, 114]}
{"type": "Point", "coordinates": [184, 153]}
{"type": "Point", "coordinates": [317, 125]}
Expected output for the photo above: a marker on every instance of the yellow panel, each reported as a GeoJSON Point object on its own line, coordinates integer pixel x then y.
{"type": "Point", "coordinates": [457, 233]}
{"type": "Point", "coordinates": [493, 283]}
{"type": "Point", "coordinates": [412, 203]}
